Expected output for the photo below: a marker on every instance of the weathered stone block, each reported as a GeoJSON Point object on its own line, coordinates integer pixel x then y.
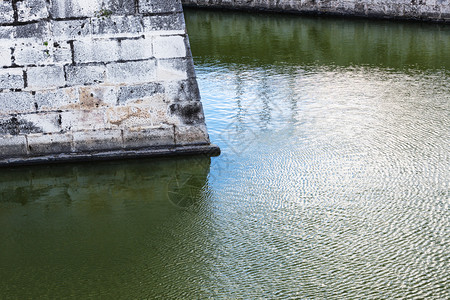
{"type": "Point", "coordinates": [159, 6]}
{"type": "Point", "coordinates": [49, 122]}
{"type": "Point", "coordinates": [131, 72]}
{"type": "Point", "coordinates": [97, 140]}
{"type": "Point", "coordinates": [16, 102]}
{"type": "Point", "coordinates": [164, 22]}
{"type": "Point", "coordinates": [180, 91]}
{"type": "Point", "coordinates": [41, 144]}
{"type": "Point", "coordinates": [73, 8]}
{"type": "Point", "coordinates": [169, 47]}
{"type": "Point", "coordinates": [135, 92]}
{"type": "Point", "coordinates": [40, 31]}
{"type": "Point", "coordinates": [56, 99]}
{"type": "Point", "coordinates": [6, 12]}
{"type": "Point", "coordinates": [5, 56]}
{"type": "Point", "coordinates": [61, 52]}
{"type": "Point", "coordinates": [15, 125]}
{"type": "Point", "coordinates": [174, 69]}
{"type": "Point", "coordinates": [136, 138]}
{"type": "Point", "coordinates": [31, 10]}
{"type": "Point", "coordinates": [82, 119]}
{"type": "Point", "coordinates": [136, 49]}
{"type": "Point", "coordinates": [191, 135]}
{"type": "Point", "coordinates": [85, 74]}
{"type": "Point", "coordinates": [96, 50]}
{"type": "Point", "coordinates": [117, 25]}
{"type": "Point", "coordinates": [85, 8]}
{"type": "Point", "coordinates": [190, 113]}
{"type": "Point", "coordinates": [41, 53]}
{"type": "Point", "coordinates": [11, 79]}
{"type": "Point", "coordinates": [7, 32]}
{"type": "Point", "coordinates": [26, 54]}
{"type": "Point", "coordinates": [47, 77]}
{"type": "Point", "coordinates": [92, 97]}
{"type": "Point", "coordinates": [13, 145]}
{"type": "Point", "coordinates": [71, 29]}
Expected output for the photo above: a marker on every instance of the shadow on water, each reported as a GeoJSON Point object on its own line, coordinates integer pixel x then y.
{"type": "Point", "coordinates": [86, 229]}
{"type": "Point", "coordinates": [234, 37]}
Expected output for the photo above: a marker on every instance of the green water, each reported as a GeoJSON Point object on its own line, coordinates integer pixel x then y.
{"type": "Point", "coordinates": [333, 182]}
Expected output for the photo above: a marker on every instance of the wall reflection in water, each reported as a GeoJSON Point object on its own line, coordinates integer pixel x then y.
{"type": "Point", "coordinates": [179, 181]}
{"type": "Point", "coordinates": [99, 229]}
{"type": "Point", "coordinates": [273, 39]}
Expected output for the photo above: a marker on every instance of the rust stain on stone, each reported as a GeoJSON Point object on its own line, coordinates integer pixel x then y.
{"type": "Point", "coordinates": [89, 100]}
{"type": "Point", "coordinates": [119, 115]}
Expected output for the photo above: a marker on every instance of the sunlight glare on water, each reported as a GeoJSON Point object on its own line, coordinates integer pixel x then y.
{"type": "Point", "coordinates": [335, 169]}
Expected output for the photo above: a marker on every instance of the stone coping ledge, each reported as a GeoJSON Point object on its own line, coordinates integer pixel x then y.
{"type": "Point", "coordinates": [209, 150]}
{"type": "Point", "coordinates": [364, 9]}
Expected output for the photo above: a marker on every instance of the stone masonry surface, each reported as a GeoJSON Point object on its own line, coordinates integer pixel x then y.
{"type": "Point", "coordinates": [427, 10]}
{"type": "Point", "coordinates": [92, 76]}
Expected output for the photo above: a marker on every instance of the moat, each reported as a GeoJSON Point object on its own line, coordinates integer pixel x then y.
{"type": "Point", "coordinates": [333, 181]}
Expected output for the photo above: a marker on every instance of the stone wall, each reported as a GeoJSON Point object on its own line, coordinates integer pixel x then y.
{"type": "Point", "coordinates": [427, 10]}
{"type": "Point", "coordinates": [83, 79]}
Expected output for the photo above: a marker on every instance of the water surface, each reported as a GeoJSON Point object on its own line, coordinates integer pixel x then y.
{"type": "Point", "coordinates": [333, 183]}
